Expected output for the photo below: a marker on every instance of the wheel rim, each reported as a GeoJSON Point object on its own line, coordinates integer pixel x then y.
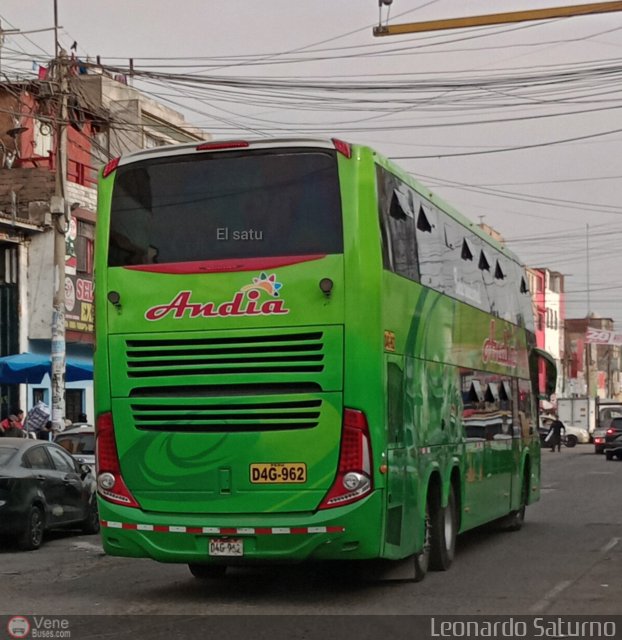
{"type": "Point", "coordinates": [36, 528]}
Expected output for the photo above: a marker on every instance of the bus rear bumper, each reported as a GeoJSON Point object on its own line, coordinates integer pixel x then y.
{"type": "Point", "coordinates": [353, 532]}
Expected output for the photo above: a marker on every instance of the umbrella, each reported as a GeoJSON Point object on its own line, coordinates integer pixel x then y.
{"type": "Point", "coordinates": [28, 368]}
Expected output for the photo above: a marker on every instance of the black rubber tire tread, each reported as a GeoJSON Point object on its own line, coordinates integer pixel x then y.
{"type": "Point", "coordinates": [32, 536]}
{"type": "Point", "coordinates": [442, 551]}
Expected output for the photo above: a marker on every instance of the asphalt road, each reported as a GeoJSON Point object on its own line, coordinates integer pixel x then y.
{"type": "Point", "coordinates": [567, 559]}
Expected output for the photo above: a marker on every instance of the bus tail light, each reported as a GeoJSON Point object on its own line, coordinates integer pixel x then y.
{"type": "Point", "coordinates": [354, 480]}
{"type": "Point", "coordinates": [110, 483]}
{"type": "Point", "coordinates": [342, 147]}
{"type": "Point", "coordinates": [110, 167]}
{"type": "Point", "coordinates": [225, 144]}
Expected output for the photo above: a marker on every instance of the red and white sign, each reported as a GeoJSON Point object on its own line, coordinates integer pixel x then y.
{"type": "Point", "coordinates": [600, 336]}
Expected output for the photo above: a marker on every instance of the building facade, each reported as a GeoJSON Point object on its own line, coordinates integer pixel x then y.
{"type": "Point", "coordinates": [106, 118]}
{"type": "Point", "coordinates": [591, 369]}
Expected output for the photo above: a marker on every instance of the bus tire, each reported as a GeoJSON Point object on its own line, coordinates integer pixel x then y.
{"type": "Point", "coordinates": [443, 524]}
{"type": "Point", "coordinates": [207, 571]}
{"type": "Point", "coordinates": [515, 519]}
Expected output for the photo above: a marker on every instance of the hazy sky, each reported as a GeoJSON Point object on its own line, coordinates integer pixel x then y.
{"type": "Point", "coordinates": [516, 125]}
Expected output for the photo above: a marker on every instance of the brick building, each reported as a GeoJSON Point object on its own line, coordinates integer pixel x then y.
{"type": "Point", "coordinates": [106, 118]}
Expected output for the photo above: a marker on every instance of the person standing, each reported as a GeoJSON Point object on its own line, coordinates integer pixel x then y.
{"type": "Point", "coordinates": [557, 427]}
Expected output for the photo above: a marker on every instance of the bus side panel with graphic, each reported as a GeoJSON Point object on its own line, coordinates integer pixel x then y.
{"type": "Point", "coordinates": [303, 355]}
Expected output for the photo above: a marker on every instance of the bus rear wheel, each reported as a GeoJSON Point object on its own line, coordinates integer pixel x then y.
{"type": "Point", "coordinates": [443, 530]}
{"type": "Point", "coordinates": [208, 571]}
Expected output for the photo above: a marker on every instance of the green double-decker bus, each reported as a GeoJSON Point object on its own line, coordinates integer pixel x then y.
{"type": "Point", "coordinates": [303, 355]}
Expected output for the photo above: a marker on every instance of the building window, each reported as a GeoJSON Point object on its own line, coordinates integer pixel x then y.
{"type": "Point", "coordinates": [8, 265]}
{"type": "Point", "coordinates": [152, 141]}
{"type": "Point", "coordinates": [84, 247]}
{"type": "Point", "coordinates": [74, 403]}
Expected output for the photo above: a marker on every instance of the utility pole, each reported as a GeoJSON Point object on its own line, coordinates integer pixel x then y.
{"type": "Point", "coordinates": [587, 267]}
{"type": "Point", "coordinates": [58, 209]}
{"type": "Point", "coordinates": [497, 18]}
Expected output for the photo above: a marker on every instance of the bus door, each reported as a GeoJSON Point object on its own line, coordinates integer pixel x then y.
{"type": "Point", "coordinates": [401, 469]}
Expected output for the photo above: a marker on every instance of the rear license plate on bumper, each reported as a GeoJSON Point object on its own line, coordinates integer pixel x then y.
{"type": "Point", "coordinates": [278, 473]}
{"type": "Point", "coordinates": [226, 547]}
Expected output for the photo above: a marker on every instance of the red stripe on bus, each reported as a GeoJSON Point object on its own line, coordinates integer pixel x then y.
{"type": "Point", "coordinates": [228, 530]}
{"type": "Point", "coordinates": [262, 531]}
{"type": "Point", "coordinates": [223, 266]}
{"type": "Point", "coordinates": [194, 529]}
{"type": "Point", "coordinates": [160, 528]}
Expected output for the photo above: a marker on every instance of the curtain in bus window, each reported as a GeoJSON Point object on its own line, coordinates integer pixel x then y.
{"type": "Point", "coordinates": [398, 225]}
{"type": "Point", "coordinates": [503, 290]}
{"type": "Point", "coordinates": [226, 206]}
{"type": "Point", "coordinates": [467, 275]}
{"type": "Point", "coordinates": [430, 250]}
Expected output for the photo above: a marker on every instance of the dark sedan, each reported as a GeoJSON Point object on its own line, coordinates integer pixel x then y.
{"type": "Point", "coordinates": [42, 487]}
{"type": "Point", "coordinates": [613, 440]}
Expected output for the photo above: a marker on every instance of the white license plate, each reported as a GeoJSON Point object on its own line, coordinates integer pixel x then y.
{"type": "Point", "coordinates": [226, 547]}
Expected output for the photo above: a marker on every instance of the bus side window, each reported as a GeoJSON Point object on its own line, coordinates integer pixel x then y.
{"type": "Point", "coordinates": [398, 225]}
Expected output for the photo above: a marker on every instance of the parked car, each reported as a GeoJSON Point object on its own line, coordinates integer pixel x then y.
{"type": "Point", "coordinates": [613, 446]}
{"type": "Point", "coordinates": [613, 440]}
{"type": "Point", "coordinates": [79, 441]}
{"type": "Point", "coordinates": [598, 436]}
{"type": "Point", "coordinates": [573, 435]}
{"type": "Point", "coordinates": [42, 487]}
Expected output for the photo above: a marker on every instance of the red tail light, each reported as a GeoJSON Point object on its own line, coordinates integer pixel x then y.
{"type": "Point", "coordinates": [610, 431]}
{"type": "Point", "coordinates": [110, 167]}
{"type": "Point", "coordinates": [342, 147]}
{"type": "Point", "coordinates": [226, 144]}
{"type": "Point", "coordinates": [354, 478]}
{"type": "Point", "coordinates": [110, 483]}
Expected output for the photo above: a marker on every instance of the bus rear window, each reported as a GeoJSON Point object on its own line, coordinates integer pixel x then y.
{"type": "Point", "coordinates": [226, 205]}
